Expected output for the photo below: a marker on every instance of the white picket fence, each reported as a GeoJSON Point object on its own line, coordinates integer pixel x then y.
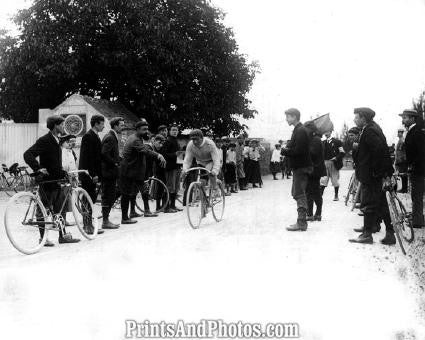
{"type": "Point", "coordinates": [15, 138]}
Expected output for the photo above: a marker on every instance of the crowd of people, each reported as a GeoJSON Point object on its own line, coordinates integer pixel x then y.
{"type": "Point", "coordinates": [314, 163]}
{"type": "Point", "coordinates": [122, 172]}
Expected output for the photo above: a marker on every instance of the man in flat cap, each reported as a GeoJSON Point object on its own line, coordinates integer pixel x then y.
{"type": "Point", "coordinates": [415, 157]}
{"type": "Point", "coordinates": [373, 169]}
{"type": "Point", "coordinates": [298, 152]}
{"type": "Point", "coordinates": [133, 167]}
{"type": "Point", "coordinates": [400, 162]}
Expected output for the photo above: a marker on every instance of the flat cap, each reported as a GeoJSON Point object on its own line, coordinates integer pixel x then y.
{"type": "Point", "coordinates": [365, 112]}
{"type": "Point", "coordinates": [401, 130]}
{"type": "Point", "coordinates": [410, 112]}
{"type": "Point", "coordinates": [162, 127]}
{"type": "Point", "coordinates": [160, 138]}
{"type": "Point", "coordinates": [141, 122]}
{"type": "Point", "coordinates": [354, 130]}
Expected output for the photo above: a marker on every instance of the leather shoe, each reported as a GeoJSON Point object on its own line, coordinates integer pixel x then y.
{"type": "Point", "coordinates": [109, 225]}
{"type": "Point", "coordinates": [150, 214]}
{"type": "Point", "coordinates": [177, 209]}
{"type": "Point", "coordinates": [363, 238]}
{"type": "Point", "coordinates": [135, 215]}
{"type": "Point", "coordinates": [170, 211]}
{"type": "Point", "coordinates": [129, 221]}
{"type": "Point", "coordinates": [296, 227]}
{"type": "Point", "coordinates": [359, 230]}
{"type": "Point", "coordinates": [389, 239]}
{"type": "Point", "coordinates": [100, 231]}
{"type": "Point", "coordinates": [317, 218]}
{"type": "Point", "coordinates": [310, 218]}
{"type": "Point", "coordinates": [48, 243]}
{"type": "Point", "coordinates": [67, 238]}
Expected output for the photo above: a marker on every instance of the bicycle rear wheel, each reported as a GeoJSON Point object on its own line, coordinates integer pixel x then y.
{"type": "Point", "coordinates": [154, 189]}
{"type": "Point", "coordinates": [196, 205]}
{"type": "Point", "coordinates": [350, 189]}
{"type": "Point", "coordinates": [84, 213]}
{"type": "Point", "coordinates": [22, 211]}
{"type": "Point", "coordinates": [395, 220]}
{"type": "Point", "coordinates": [218, 202]}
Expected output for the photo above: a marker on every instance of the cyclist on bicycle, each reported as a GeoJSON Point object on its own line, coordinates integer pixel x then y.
{"type": "Point", "coordinates": [205, 152]}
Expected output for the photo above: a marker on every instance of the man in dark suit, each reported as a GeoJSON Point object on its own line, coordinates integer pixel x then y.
{"type": "Point", "coordinates": [414, 144]}
{"type": "Point", "coordinates": [47, 149]}
{"type": "Point", "coordinates": [110, 170]}
{"type": "Point", "coordinates": [373, 170]}
{"type": "Point", "coordinates": [298, 152]}
{"type": "Point", "coordinates": [133, 167]}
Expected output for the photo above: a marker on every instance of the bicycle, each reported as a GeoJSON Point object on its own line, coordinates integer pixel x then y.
{"type": "Point", "coordinates": [154, 188]}
{"type": "Point", "coordinates": [26, 214]}
{"type": "Point", "coordinates": [200, 198]}
{"type": "Point", "coordinates": [400, 218]}
{"type": "Point", "coordinates": [351, 189]}
{"type": "Point", "coordinates": [18, 179]}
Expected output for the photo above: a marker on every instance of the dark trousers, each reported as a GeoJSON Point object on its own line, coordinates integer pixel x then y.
{"type": "Point", "coordinates": [314, 195]}
{"type": "Point", "coordinates": [110, 193]}
{"type": "Point", "coordinates": [52, 198]}
{"type": "Point", "coordinates": [375, 207]}
{"type": "Point", "coordinates": [417, 190]}
{"type": "Point", "coordinates": [299, 186]}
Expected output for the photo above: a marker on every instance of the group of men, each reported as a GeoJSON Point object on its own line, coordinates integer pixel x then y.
{"type": "Point", "coordinates": [373, 164]}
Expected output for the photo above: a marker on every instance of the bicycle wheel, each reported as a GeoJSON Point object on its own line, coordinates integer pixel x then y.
{"type": "Point", "coordinates": [195, 205]}
{"type": "Point", "coordinates": [406, 226]}
{"type": "Point", "coordinates": [22, 210]}
{"type": "Point", "coordinates": [84, 213]}
{"type": "Point", "coordinates": [350, 190]}
{"type": "Point", "coordinates": [218, 202]}
{"type": "Point", "coordinates": [356, 196]}
{"type": "Point", "coordinates": [154, 189]}
{"type": "Point", "coordinates": [9, 187]}
{"type": "Point", "coordinates": [395, 220]}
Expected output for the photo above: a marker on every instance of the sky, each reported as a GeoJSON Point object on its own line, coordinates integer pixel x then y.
{"type": "Point", "coordinates": [326, 56]}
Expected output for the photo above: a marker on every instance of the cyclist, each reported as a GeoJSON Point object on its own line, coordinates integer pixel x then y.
{"type": "Point", "coordinates": [205, 152]}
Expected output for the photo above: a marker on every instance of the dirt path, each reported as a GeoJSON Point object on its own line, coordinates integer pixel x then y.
{"type": "Point", "coordinates": [246, 268]}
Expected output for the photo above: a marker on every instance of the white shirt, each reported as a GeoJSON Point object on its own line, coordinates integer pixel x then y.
{"type": "Point", "coordinates": [68, 160]}
{"type": "Point", "coordinates": [275, 156]}
{"type": "Point", "coordinates": [231, 156]}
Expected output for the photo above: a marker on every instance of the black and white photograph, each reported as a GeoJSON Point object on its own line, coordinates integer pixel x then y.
{"type": "Point", "coordinates": [212, 169]}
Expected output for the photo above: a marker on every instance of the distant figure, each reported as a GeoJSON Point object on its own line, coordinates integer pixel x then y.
{"type": "Point", "coordinates": [400, 162]}
{"type": "Point", "coordinates": [275, 161]}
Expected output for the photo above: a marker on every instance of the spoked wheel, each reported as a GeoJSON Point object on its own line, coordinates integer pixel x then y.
{"type": "Point", "coordinates": [218, 202]}
{"type": "Point", "coordinates": [196, 205]}
{"type": "Point", "coordinates": [153, 189]}
{"type": "Point", "coordinates": [84, 213]}
{"type": "Point", "coordinates": [11, 186]}
{"type": "Point", "coordinates": [395, 220]}
{"type": "Point", "coordinates": [22, 211]}
{"type": "Point", "coordinates": [406, 225]}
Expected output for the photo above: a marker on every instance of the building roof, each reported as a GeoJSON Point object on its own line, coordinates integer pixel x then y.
{"type": "Point", "coordinates": [112, 109]}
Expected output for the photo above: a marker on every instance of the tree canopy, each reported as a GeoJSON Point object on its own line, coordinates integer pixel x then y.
{"type": "Point", "coordinates": [166, 60]}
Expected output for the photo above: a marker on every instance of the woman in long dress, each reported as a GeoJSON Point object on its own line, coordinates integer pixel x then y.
{"type": "Point", "coordinates": [275, 161]}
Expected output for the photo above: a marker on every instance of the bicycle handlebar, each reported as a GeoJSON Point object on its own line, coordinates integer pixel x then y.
{"type": "Point", "coordinates": [199, 168]}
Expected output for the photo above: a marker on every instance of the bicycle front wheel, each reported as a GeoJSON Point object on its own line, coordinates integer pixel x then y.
{"type": "Point", "coordinates": [196, 205]}
{"type": "Point", "coordinates": [156, 193]}
{"type": "Point", "coordinates": [218, 202]}
{"type": "Point", "coordinates": [395, 220]}
{"type": "Point", "coordinates": [23, 211]}
{"type": "Point", "coordinates": [407, 230]}
{"type": "Point", "coordinates": [84, 213]}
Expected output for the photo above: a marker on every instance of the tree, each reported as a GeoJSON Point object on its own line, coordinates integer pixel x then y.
{"type": "Point", "coordinates": [419, 106]}
{"type": "Point", "coordinates": [346, 143]}
{"type": "Point", "coordinates": [165, 60]}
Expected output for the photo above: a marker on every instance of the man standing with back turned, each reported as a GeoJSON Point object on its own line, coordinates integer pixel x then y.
{"type": "Point", "coordinates": [298, 152]}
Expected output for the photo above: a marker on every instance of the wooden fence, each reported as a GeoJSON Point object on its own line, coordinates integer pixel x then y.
{"type": "Point", "coordinates": [14, 140]}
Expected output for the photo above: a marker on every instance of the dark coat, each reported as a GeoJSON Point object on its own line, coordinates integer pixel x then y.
{"type": "Point", "coordinates": [373, 161]}
{"type": "Point", "coordinates": [133, 164]}
{"type": "Point", "coordinates": [298, 149]}
{"type": "Point", "coordinates": [50, 157]}
{"type": "Point", "coordinates": [169, 151]}
{"type": "Point", "coordinates": [110, 156]}
{"type": "Point", "coordinates": [91, 154]}
{"type": "Point", "coordinates": [317, 157]}
{"type": "Point", "coordinates": [333, 148]}
{"type": "Point", "coordinates": [414, 144]}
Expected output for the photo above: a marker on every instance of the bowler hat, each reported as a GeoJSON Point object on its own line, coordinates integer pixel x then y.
{"type": "Point", "coordinates": [162, 127]}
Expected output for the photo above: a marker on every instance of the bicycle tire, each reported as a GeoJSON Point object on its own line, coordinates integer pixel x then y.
{"type": "Point", "coordinates": [395, 220]}
{"type": "Point", "coordinates": [11, 223]}
{"type": "Point", "coordinates": [350, 189]}
{"type": "Point", "coordinates": [153, 186]}
{"type": "Point", "coordinates": [218, 215]}
{"type": "Point", "coordinates": [195, 200]}
{"type": "Point", "coordinates": [408, 235]}
{"type": "Point", "coordinates": [84, 214]}
{"type": "Point", "coordinates": [356, 196]}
